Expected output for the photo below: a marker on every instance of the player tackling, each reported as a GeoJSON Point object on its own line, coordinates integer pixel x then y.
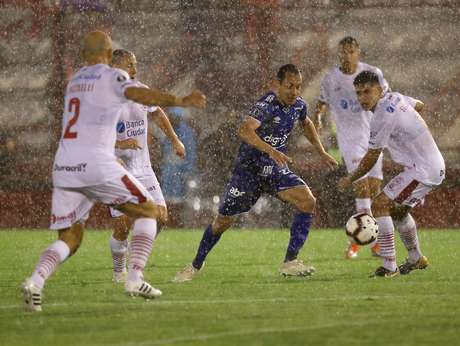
{"type": "Point", "coordinates": [132, 149]}
{"type": "Point", "coordinates": [399, 128]}
{"type": "Point", "coordinates": [85, 168]}
{"type": "Point", "coordinates": [261, 167]}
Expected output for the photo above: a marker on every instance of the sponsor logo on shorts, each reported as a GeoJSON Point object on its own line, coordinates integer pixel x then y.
{"type": "Point", "coordinates": [69, 217]}
{"type": "Point", "coordinates": [81, 167]}
{"type": "Point", "coordinates": [235, 193]}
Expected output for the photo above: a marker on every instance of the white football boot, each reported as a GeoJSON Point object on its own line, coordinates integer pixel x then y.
{"type": "Point", "coordinates": [141, 288]}
{"type": "Point", "coordinates": [187, 273]}
{"type": "Point", "coordinates": [32, 296]}
{"type": "Point", "coordinates": [296, 268]}
{"type": "Point", "coordinates": [120, 277]}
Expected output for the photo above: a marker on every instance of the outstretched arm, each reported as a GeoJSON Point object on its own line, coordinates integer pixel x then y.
{"type": "Point", "coordinates": [309, 131]}
{"type": "Point", "coordinates": [153, 97]}
{"type": "Point", "coordinates": [320, 110]}
{"type": "Point", "coordinates": [161, 120]}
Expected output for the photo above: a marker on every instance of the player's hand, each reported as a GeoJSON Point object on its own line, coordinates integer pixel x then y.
{"type": "Point", "coordinates": [196, 99]}
{"type": "Point", "coordinates": [128, 144]}
{"type": "Point", "coordinates": [344, 183]}
{"type": "Point", "coordinates": [280, 158]}
{"type": "Point", "coordinates": [179, 148]}
{"type": "Point", "coordinates": [329, 160]}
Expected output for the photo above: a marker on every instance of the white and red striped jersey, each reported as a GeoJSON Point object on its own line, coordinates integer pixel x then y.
{"type": "Point", "coordinates": [93, 103]}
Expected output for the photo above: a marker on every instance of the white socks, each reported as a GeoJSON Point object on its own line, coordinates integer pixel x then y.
{"type": "Point", "coordinates": [408, 233]}
{"type": "Point", "coordinates": [363, 205]}
{"type": "Point", "coordinates": [386, 240]}
{"type": "Point", "coordinates": [119, 249]}
{"type": "Point", "coordinates": [144, 231]}
{"type": "Point", "coordinates": [54, 255]}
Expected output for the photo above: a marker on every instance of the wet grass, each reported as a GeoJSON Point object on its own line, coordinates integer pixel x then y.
{"type": "Point", "coordinates": [239, 299]}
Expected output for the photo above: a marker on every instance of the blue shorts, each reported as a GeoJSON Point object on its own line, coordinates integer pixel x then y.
{"type": "Point", "coordinates": [247, 184]}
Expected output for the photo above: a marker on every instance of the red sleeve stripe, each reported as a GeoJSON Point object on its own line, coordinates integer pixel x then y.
{"type": "Point", "coordinates": [133, 189]}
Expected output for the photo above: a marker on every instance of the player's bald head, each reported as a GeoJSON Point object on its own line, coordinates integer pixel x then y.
{"type": "Point", "coordinates": [96, 45]}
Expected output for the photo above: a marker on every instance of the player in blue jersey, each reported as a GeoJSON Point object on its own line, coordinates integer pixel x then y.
{"type": "Point", "coordinates": [261, 167]}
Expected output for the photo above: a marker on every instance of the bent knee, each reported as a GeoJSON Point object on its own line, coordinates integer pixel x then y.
{"type": "Point", "coordinates": [307, 204]}
{"type": "Point", "coordinates": [381, 205]}
{"type": "Point", "coordinates": [221, 224]}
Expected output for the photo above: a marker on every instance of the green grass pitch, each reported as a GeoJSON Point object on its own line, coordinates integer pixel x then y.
{"type": "Point", "coordinates": [239, 299]}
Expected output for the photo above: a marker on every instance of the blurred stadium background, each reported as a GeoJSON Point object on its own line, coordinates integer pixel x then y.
{"type": "Point", "coordinates": [229, 49]}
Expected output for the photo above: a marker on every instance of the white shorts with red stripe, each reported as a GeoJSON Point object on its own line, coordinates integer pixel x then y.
{"type": "Point", "coordinates": [352, 156]}
{"type": "Point", "coordinates": [404, 189]}
{"type": "Point", "coordinates": [152, 185]}
{"type": "Point", "coordinates": [71, 205]}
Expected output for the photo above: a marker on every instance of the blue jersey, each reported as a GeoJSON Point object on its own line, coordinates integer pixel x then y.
{"type": "Point", "coordinates": [276, 124]}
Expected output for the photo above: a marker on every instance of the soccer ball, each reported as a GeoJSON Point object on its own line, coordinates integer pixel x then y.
{"type": "Point", "coordinates": [362, 229]}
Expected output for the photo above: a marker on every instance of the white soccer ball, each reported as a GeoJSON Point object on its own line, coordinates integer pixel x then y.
{"type": "Point", "coordinates": [362, 229]}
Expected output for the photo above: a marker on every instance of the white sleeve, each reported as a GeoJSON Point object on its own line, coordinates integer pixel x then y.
{"type": "Point", "coordinates": [120, 82]}
{"type": "Point", "coordinates": [152, 109]}
{"type": "Point", "coordinates": [323, 91]}
{"type": "Point", "coordinates": [410, 101]}
{"type": "Point", "coordinates": [381, 126]}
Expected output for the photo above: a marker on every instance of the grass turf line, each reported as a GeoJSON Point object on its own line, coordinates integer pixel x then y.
{"type": "Point", "coordinates": [238, 299]}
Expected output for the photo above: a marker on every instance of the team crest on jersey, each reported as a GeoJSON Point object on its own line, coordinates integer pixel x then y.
{"type": "Point", "coordinates": [344, 104]}
{"type": "Point", "coordinates": [121, 127]}
{"type": "Point", "coordinates": [121, 78]}
{"type": "Point", "coordinates": [276, 120]}
{"type": "Point", "coordinates": [390, 109]}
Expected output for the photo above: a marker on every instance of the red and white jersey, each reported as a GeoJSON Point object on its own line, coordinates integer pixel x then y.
{"type": "Point", "coordinates": [396, 126]}
{"type": "Point", "coordinates": [352, 122]}
{"type": "Point", "coordinates": [133, 123]}
{"type": "Point", "coordinates": [93, 102]}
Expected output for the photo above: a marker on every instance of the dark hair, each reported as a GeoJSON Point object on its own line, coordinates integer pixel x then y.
{"type": "Point", "coordinates": [288, 68]}
{"type": "Point", "coordinates": [119, 54]}
{"type": "Point", "coordinates": [366, 77]}
{"type": "Point", "coordinates": [348, 40]}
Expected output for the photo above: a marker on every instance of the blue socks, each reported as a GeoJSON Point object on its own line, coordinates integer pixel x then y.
{"type": "Point", "coordinates": [299, 232]}
{"type": "Point", "coordinates": [207, 243]}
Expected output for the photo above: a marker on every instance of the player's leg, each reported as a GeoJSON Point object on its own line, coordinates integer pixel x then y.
{"type": "Point", "coordinates": [129, 196]}
{"type": "Point", "coordinates": [375, 187]}
{"type": "Point", "coordinates": [119, 244]}
{"type": "Point", "coordinates": [293, 190]}
{"type": "Point", "coordinates": [381, 207]}
{"type": "Point", "coordinates": [241, 193]}
{"type": "Point", "coordinates": [211, 236]}
{"type": "Point", "coordinates": [69, 211]}
{"type": "Point", "coordinates": [407, 227]}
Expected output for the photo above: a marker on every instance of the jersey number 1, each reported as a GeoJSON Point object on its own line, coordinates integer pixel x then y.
{"type": "Point", "coordinates": [74, 106]}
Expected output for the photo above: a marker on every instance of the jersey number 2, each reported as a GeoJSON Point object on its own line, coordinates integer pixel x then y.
{"type": "Point", "coordinates": [74, 106]}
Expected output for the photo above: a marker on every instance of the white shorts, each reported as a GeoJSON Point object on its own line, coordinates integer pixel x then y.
{"type": "Point", "coordinates": [353, 156]}
{"type": "Point", "coordinates": [152, 185]}
{"type": "Point", "coordinates": [404, 189]}
{"type": "Point", "coordinates": [71, 205]}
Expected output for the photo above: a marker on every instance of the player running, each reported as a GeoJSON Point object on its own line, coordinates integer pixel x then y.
{"type": "Point", "coordinates": [398, 127]}
{"type": "Point", "coordinates": [352, 122]}
{"type": "Point", "coordinates": [132, 149]}
{"type": "Point", "coordinates": [85, 169]}
{"type": "Point", "coordinates": [261, 167]}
